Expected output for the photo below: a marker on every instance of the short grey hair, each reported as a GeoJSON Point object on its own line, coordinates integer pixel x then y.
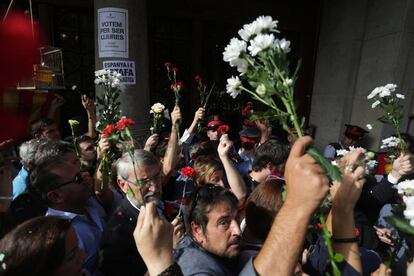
{"type": "Point", "coordinates": [27, 151]}
{"type": "Point", "coordinates": [141, 157]}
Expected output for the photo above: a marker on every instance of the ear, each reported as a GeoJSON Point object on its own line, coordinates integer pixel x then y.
{"type": "Point", "coordinates": [270, 166]}
{"type": "Point", "coordinates": [197, 233]}
{"type": "Point", "coordinates": [55, 197]}
{"type": "Point", "coordinates": [123, 185]}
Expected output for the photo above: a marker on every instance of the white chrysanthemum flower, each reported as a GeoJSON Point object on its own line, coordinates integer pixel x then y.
{"type": "Point", "coordinates": [369, 126]}
{"type": "Point", "coordinates": [352, 148]}
{"type": "Point", "coordinates": [241, 65]}
{"type": "Point", "coordinates": [157, 108]}
{"type": "Point", "coordinates": [261, 90]}
{"type": "Point", "coordinates": [372, 164]}
{"type": "Point", "coordinates": [390, 142]}
{"type": "Point", "coordinates": [287, 82]}
{"type": "Point", "coordinates": [74, 87]}
{"type": "Point", "coordinates": [249, 31]}
{"type": "Point", "coordinates": [374, 92]}
{"type": "Point", "coordinates": [409, 211]}
{"type": "Point", "coordinates": [374, 104]}
{"type": "Point", "coordinates": [400, 96]}
{"type": "Point", "coordinates": [385, 93]}
{"type": "Point", "coordinates": [233, 86]}
{"type": "Point", "coordinates": [261, 42]}
{"type": "Point", "coordinates": [405, 187]}
{"type": "Point", "coordinates": [334, 163]}
{"type": "Point", "coordinates": [100, 72]}
{"type": "Point", "coordinates": [283, 45]}
{"type": "Point", "coordinates": [266, 24]}
{"type": "Point", "coordinates": [391, 87]}
{"type": "Point", "coordinates": [341, 152]}
{"type": "Point", "coordinates": [234, 50]}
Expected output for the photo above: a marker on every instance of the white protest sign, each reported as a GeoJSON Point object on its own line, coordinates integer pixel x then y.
{"type": "Point", "coordinates": [124, 67]}
{"type": "Point", "coordinates": [113, 32]}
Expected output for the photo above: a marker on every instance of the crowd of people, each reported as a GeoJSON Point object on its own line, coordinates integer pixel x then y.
{"type": "Point", "coordinates": [249, 209]}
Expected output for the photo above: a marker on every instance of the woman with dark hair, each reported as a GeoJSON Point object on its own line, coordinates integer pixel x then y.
{"type": "Point", "coordinates": [262, 207]}
{"type": "Point", "coordinates": [41, 246]}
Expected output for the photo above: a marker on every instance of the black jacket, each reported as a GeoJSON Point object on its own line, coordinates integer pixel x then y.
{"type": "Point", "coordinates": [119, 255]}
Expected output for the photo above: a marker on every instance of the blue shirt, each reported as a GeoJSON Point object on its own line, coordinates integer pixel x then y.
{"type": "Point", "coordinates": [20, 182]}
{"type": "Point", "coordinates": [89, 228]}
{"type": "Point", "coordinates": [194, 260]}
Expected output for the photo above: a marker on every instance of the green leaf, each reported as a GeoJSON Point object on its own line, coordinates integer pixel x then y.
{"type": "Point", "coordinates": [331, 171]}
{"type": "Point", "coordinates": [130, 192]}
{"type": "Point", "coordinates": [401, 223]}
{"type": "Point", "coordinates": [338, 258]}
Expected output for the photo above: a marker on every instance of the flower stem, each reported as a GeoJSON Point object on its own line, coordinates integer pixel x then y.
{"type": "Point", "coordinates": [182, 197]}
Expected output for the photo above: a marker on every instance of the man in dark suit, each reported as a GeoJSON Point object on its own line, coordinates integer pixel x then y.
{"type": "Point", "coordinates": [118, 251]}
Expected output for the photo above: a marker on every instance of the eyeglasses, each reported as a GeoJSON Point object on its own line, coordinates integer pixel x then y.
{"type": "Point", "coordinates": [147, 181]}
{"type": "Point", "coordinates": [78, 179]}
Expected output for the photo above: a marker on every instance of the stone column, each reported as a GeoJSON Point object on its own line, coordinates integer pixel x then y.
{"type": "Point", "coordinates": [362, 45]}
{"type": "Point", "coordinates": [135, 100]}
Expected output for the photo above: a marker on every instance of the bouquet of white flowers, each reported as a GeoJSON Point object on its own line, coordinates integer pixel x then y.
{"type": "Point", "coordinates": [390, 102]}
{"type": "Point", "coordinates": [261, 60]}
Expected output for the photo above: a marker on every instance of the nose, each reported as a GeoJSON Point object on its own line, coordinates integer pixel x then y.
{"type": "Point", "coordinates": [153, 187]}
{"type": "Point", "coordinates": [235, 228]}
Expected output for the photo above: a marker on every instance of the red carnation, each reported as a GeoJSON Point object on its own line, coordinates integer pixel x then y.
{"type": "Point", "coordinates": [246, 110]}
{"type": "Point", "coordinates": [197, 78]}
{"type": "Point", "coordinates": [188, 171]}
{"type": "Point", "coordinates": [124, 122]}
{"type": "Point", "coordinates": [222, 129]}
{"type": "Point", "coordinates": [167, 64]}
{"type": "Point", "coordinates": [357, 233]}
{"type": "Point", "coordinates": [177, 86]}
{"type": "Point", "coordinates": [108, 130]}
{"type": "Point", "coordinates": [318, 226]}
{"type": "Point", "coordinates": [175, 70]}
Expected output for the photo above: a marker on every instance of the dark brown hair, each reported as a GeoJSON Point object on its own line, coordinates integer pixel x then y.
{"type": "Point", "coordinates": [35, 247]}
{"type": "Point", "coordinates": [262, 206]}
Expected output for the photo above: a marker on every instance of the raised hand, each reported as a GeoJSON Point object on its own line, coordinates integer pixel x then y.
{"type": "Point", "coordinates": [307, 185]}
{"type": "Point", "coordinates": [153, 238]}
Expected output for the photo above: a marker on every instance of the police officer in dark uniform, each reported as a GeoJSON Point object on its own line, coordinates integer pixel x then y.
{"type": "Point", "coordinates": [353, 136]}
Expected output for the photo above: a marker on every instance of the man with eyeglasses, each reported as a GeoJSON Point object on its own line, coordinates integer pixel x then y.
{"type": "Point", "coordinates": [68, 193]}
{"type": "Point", "coordinates": [140, 184]}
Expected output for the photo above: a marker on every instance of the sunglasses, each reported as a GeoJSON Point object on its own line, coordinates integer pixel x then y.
{"type": "Point", "coordinates": [204, 192]}
{"type": "Point", "coordinates": [78, 179]}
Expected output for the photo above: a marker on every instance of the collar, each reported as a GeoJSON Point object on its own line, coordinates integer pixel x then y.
{"type": "Point", "coordinates": [132, 203]}
{"type": "Point", "coordinates": [60, 213]}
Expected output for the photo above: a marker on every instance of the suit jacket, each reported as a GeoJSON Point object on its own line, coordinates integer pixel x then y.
{"type": "Point", "coordinates": [118, 251]}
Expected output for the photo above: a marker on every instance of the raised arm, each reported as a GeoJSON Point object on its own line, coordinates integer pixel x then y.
{"type": "Point", "coordinates": [189, 133]}
{"type": "Point", "coordinates": [235, 180]}
{"type": "Point", "coordinates": [170, 157]}
{"type": "Point", "coordinates": [307, 186]}
{"type": "Point", "coordinates": [89, 106]}
{"type": "Point", "coordinates": [344, 201]}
